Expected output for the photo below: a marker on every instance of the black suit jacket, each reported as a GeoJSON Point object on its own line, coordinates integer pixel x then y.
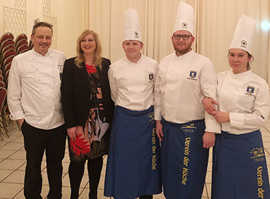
{"type": "Point", "coordinates": [75, 90]}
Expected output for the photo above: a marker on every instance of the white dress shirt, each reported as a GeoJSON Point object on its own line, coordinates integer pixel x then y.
{"type": "Point", "coordinates": [246, 97]}
{"type": "Point", "coordinates": [34, 89]}
{"type": "Point", "coordinates": [181, 84]}
{"type": "Point", "coordinates": [132, 84]}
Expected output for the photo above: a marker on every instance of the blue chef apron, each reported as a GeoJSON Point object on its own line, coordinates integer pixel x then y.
{"type": "Point", "coordinates": [239, 167]}
{"type": "Point", "coordinates": [183, 160]}
{"type": "Point", "coordinates": [133, 166]}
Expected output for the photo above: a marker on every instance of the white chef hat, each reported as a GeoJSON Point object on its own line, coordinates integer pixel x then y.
{"type": "Point", "coordinates": [132, 25]}
{"type": "Point", "coordinates": [243, 34]}
{"type": "Point", "coordinates": [184, 18]}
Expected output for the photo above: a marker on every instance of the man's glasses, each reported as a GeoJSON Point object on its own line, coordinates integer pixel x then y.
{"type": "Point", "coordinates": [183, 37]}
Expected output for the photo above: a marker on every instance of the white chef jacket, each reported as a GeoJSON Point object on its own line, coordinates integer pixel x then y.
{"type": "Point", "coordinates": [181, 84]}
{"type": "Point", "coordinates": [132, 84]}
{"type": "Point", "coordinates": [34, 89]}
{"type": "Point", "coordinates": [246, 97]}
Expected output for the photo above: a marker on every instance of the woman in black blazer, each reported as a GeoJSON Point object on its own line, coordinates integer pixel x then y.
{"type": "Point", "coordinates": [88, 111]}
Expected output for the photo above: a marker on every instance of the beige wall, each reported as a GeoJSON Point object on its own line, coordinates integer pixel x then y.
{"type": "Point", "coordinates": [215, 24]}
{"type": "Point", "coordinates": [70, 18]}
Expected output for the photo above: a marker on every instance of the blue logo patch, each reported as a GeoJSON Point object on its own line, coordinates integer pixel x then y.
{"type": "Point", "coordinates": [192, 74]}
{"type": "Point", "coordinates": [250, 90]}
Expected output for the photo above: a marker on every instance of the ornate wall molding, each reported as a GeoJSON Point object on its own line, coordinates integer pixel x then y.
{"type": "Point", "coordinates": [20, 4]}
{"type": "Point", "coordinates": [46, 8]}
{"type": "Point", "coordinates": [14, 20]}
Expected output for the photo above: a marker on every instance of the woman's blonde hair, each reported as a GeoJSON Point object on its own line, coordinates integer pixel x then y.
{"type": "Point", "coordinates": [97, 57]}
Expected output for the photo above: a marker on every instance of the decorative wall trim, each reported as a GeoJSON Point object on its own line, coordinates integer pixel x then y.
{"type": "Point", "coordinates": [14, 21]}
{"type": "Point", "coordinates": [46, 7]}
{"type": "Point", "coordinates": [20, 4]}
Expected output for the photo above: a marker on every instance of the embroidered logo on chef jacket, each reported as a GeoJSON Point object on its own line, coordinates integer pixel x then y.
{"type": "Point", "coordinates": [60, 69]}
{"type": "Point", "coordinates": [192, 75]}
{"type": "Point", "coordinates": [244, 43]}
{"type": "Point", "coordinates": [257, 154]}
{"type": "Point", "coordinates": [250, 90]}
{"type": "Point", "coordinates": [151, 76]}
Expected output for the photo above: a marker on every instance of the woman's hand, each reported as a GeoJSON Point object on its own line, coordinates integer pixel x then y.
{"type": "Point", "coordinates": [72, 132]}
{"type": "Point", "coordinates": [79, 131]}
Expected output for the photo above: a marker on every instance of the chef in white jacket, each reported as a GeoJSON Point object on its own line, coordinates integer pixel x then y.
{"type": "Point", "coordinates": [185, 130]}
{"type": "Point", "coordinates": [133, 167]}
{"type": "Point", "coordinates": [239, 167]}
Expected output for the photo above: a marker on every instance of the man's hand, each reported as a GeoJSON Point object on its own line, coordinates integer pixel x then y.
{"type": "Point", "coordinates": [208, 139]}
{"type": "Point", "coordinates": [159, 130]}
{"type": "Point", "coordinates": [222, 117]}
{"type": "Point", "coordinates": [20, 122]}
{"type": "Point", "coordinates": [72, 132]}
{"type": "Point", "coordinates": [209, 105]}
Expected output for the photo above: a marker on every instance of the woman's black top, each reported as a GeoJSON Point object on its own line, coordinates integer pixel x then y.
{"type": "Point", "coordinates": [79, 96]}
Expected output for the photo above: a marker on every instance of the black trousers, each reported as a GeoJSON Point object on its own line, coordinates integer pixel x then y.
{"type": "Point", "coordinates": [36, 142]}
{"type": "Point", "coordinates": [76, 171]}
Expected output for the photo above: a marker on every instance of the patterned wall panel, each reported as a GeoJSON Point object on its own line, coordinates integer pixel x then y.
{"type": "Point", "coordinates": [46, 7]}
{"type": "Point", "coordinates": [20, 4]}
{"type": "Point", "coordinates": [53, 21]}
{"type": "Point", "coordinates": [14, 21]}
